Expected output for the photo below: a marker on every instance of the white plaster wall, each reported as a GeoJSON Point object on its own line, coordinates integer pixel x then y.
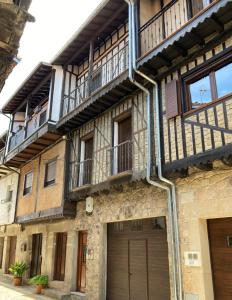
{"type": "Point", "coordinates": [7, 209]}
{"type": "Point", "coordinates": [57, 93]}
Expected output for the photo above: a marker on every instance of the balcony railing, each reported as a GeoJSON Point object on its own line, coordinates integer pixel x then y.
{"type": "Point", "coordinates": [23, 133]}
{"type": "Point", "coordinates": [120, 158]}
{"type": "Point", "coordinates": [103, 72]}
{"type": "Point", "coordinates": [81, 173]}
{"type": "Point", "coordinates": [16, 139]}
{"type": "Point", "coordinates": [167, 21]}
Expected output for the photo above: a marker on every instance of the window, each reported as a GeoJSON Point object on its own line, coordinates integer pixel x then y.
{"type": "Point", "coordinates": [121, 156]}
{"type": "Point", "coordinates": [50, 173]}
{"type": "Point", "coordinates": [86, 162]}
{"type": "Point", "coordinates": [213, 85]}
{"type": "Point", "coordinates": [28, 183]}
{"type": "Point", "coordinates": [42, 118]}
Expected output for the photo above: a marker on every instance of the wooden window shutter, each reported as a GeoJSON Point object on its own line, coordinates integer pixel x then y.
{"type": "Point", "coordinates": [172, 99]}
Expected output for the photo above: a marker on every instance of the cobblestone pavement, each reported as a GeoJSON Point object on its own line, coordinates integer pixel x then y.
{"type": "Point", "coordinates": [9, 292]}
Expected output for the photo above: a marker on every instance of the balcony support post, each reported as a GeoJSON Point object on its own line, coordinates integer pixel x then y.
{"type": "Point", "coordinates": [90, 74]}
{"type": "Point", "coordinates": [26, 118]}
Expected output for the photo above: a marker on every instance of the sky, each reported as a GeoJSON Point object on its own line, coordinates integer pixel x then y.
{"type": "Point", "coordinates": [56, 21]}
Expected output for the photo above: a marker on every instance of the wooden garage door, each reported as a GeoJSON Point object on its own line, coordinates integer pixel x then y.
{"type": "Point", "coordinates": [137, 266]}
{"type": "Point", "coordinates": [220, 239]}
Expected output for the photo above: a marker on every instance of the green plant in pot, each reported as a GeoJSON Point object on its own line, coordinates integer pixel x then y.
{"type": "Point", "coordinates": [18, 269]}
{"type": "Point", "coordinates": [40, 281]}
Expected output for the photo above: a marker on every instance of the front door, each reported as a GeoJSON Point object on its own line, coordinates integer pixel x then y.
{"type": "Point", "coordinates": [138, 269]}
{"type": "Point", "coordinates": [36, 258]}
{"type": "Point", "coordinates": [81, 261]}
{"type": "Point", "coordinates": [137, 260]}
{"type": "Point", "coordinates": [220, 240]}
{"type": "Point", "coordinates": [12, 251]}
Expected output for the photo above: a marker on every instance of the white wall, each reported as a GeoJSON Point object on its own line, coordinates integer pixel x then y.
{"type": "Point", "coordinates": [57, 93]}
{"type": "Point", "coordinates": [7, 209]}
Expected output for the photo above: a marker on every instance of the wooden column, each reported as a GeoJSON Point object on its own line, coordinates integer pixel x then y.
{"type": "Point", "coordinates": [26, 118]}
{"type": "Point", "coordinates": [91, 53]}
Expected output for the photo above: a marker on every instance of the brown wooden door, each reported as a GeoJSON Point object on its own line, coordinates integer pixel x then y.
{"type": "Point", "coordinates": [1, 250]}
{"type": "Point", "coordinates": [220, 240]}
{"type": "Point", "coordinates": [137, 261]}
{"type": "Point", "coordinates": [12, 251]}
{"type": "Point", "coordinates": [60, 256]}
{"type": "Point", "coordinates": [81, 261]}
{"type": "Point", "coordinates": [87, 172]}
{"type": "Point", "coordinates": [36, 258]}
{"type": "Point", "coordinates": [138, 269]}
{"type": "Point", "coordinates": [124, 142]}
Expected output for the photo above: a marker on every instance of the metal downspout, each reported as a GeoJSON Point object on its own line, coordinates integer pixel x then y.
{"type": "Point", "coordinates": [170, 189]}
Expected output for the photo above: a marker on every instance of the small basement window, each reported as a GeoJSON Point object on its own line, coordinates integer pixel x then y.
{"type": "Point", "coordinates": [28, 179]}
{"type": "Point", "coordinates": [213, 85]}
{"type": "Point", "coordinates": [50, 173]}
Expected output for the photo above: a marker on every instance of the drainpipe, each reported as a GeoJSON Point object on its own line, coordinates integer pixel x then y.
{"type": "Point", "coordinates": [165, 184]}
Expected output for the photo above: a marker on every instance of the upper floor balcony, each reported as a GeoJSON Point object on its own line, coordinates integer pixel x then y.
{"type": "Point", "coordinates": [33, 116]}
{"type": "Point", "coordinates": [96, 72]}
{"type": "Point", "coordinates": [110, 150]}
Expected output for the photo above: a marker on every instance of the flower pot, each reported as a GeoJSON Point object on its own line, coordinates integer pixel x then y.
{"type": "Point", "coordinates": [17, 281]}
{"type": "Point", "coordinates": [39, 288]}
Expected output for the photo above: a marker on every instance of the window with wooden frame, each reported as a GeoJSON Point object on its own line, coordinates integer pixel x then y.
{"type": "Point", "coordinates": [28, 180]}
{"type": "Point", "coordinates": [208, 85]}
{"type": "Point", "coordinates": [60, 256]}
{"type": "Point", "coordinates": [50, 173]}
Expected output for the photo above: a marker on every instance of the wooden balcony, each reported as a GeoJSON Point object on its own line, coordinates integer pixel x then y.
{"type": "Point", "coordinates": [23, 149]}
{"type": "Point", "coordinates": [206, 135]}
{"type": "Point", "coordinates": [175, 36]}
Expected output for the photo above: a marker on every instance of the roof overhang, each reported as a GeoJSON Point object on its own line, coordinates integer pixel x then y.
{"type": "Point", "coordinates": [39, 77]}
{"type": "Point", "coordinates": [108, 16]}
{"type": "Point", "coordinates": [185, 40]}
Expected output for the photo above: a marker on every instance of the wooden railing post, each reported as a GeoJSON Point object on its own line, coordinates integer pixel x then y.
{"type": "Point", "coordinates": [91, 53]}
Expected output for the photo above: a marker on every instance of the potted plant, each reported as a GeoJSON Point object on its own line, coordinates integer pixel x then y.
{"type": "Point", "coordinates": [18, 269]}
{"type": "Point", "coordinates": [40, 281]}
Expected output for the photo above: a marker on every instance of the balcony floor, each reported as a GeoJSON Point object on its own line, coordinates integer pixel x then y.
{"type": "Point", "coordinates": [29, 148]}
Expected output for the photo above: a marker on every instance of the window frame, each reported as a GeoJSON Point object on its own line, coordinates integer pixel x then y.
{"type": "Point", "coordinates": [24, 184]}
{"type": "Point", "coordinates": [209, 68]}
{"type": "Point", "coordinates": [53, 181]}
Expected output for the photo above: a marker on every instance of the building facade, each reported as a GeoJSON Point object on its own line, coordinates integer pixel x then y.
{"type": "Point", "coordinates": [142, 96]}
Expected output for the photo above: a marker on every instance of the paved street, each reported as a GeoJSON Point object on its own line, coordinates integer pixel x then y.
{"type": "Point", "coordinates": [9, 292]}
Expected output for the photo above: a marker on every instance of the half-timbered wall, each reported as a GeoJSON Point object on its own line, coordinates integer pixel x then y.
{"type": "Point", "coordinates": [195, 132]}
{"type": "Point", "coordinates": [102, 130]}
{"type": "Point", "coordinates": [109, 61]}
{"type": "Point", "coordinates": [162, 24]}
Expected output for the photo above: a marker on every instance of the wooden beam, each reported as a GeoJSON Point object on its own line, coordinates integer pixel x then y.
{"type": "Point", "coordinates": [216, 23]}
{"type": "Point", "coordinates": [106, 24]}
{"type": "Point", "coordinates": [199, 40]}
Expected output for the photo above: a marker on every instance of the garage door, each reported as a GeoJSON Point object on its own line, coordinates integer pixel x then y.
{"type": "Point", "coordinates": [137, 266]}
{"type": "Point", "coordinates": [220, 239]}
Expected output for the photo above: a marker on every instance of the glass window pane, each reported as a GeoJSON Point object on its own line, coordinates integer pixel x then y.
{"type": "Point", "coordinates": [224, 81]}
{"type": "Point", "coordinates": [28, 180]}
{"type": "Point", "coordinates": [51, 172]}
{"type": "Point", "coordinates": [200, 92]}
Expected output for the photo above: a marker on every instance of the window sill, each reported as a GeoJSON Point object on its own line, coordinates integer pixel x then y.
{"type": "Point", "coordinates": [50, 185]}
{"type": "Point", "coordinates": [204, 106]}
{"type": "Point", "coordinates": [82, 188]}
{"type": "Point", "coordinates": [121, 175]}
